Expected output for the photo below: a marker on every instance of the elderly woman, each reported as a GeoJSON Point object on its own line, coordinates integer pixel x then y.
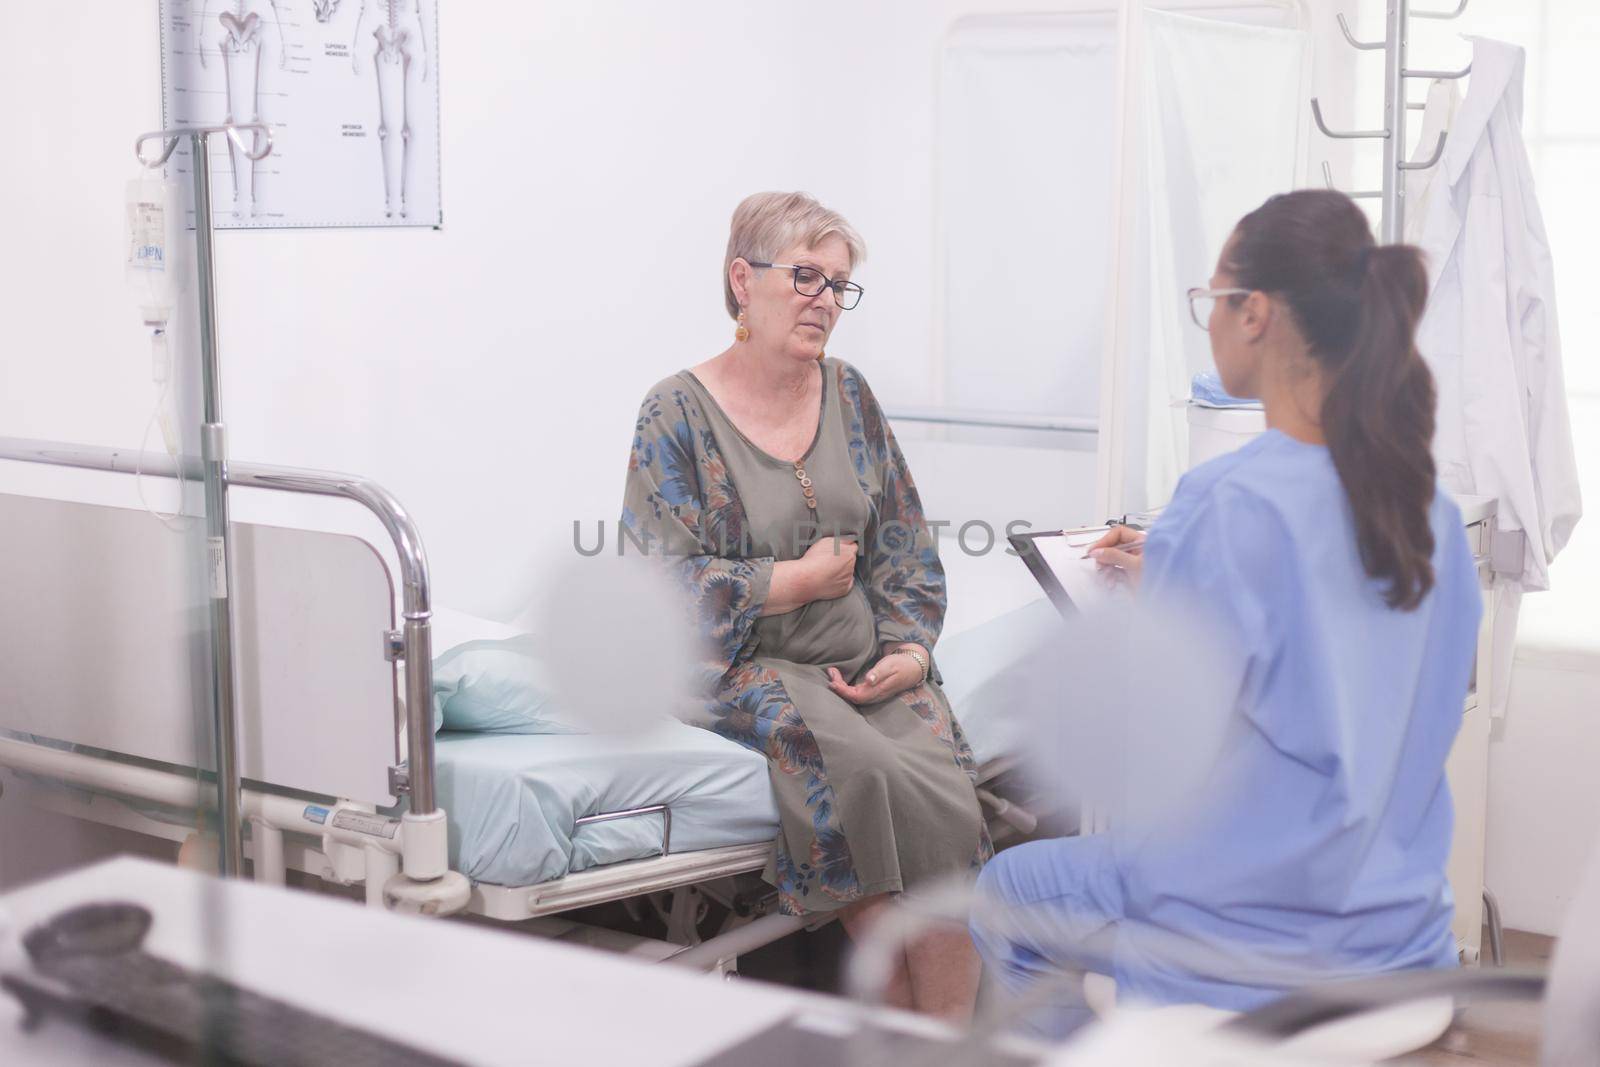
{"type": "Point", "coordinates": [769, 478]}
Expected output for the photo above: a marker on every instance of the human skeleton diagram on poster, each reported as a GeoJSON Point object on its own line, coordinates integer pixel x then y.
{"type": "Point", "coordinates": [348, 88]}
{"type": "Point", "coordinates": [401, 43]}
{"type": "Point", "coordinates": [238, 38]}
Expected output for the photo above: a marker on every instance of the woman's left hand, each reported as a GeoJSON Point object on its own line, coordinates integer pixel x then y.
{"type": "Point", "coordinates": [890, 676]}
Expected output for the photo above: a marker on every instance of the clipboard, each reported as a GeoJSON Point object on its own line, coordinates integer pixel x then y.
{"type": "Point", "coordinates": [1053, 557]}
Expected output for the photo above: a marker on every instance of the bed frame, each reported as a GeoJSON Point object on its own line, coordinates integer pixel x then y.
{"type": "Point", "coordinates": [326, 821]}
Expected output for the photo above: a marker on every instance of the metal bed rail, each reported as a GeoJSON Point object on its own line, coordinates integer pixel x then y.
{"type": "Point", "coordinates": [663, 810]}
{"type": "Point", "coordinates": [429, 861]}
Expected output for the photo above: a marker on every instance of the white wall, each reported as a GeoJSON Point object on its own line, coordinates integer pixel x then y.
{"type": "Point", "coordinates": [488, 373]}
{"type": "Point", "coordinates": [1544, 818]}
{"type": "Point", "coordinates": [1544, 822]}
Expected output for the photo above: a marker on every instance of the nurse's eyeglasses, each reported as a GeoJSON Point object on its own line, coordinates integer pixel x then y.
{"type": "Point", "coordinates": [809, 281]}
{"type": "Point", "coordinates": [1201, 302]}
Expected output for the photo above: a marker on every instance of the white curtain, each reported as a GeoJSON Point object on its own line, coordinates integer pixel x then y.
{"type": "Point", "coordinates": [1026, 159]}
{"type": "Point", "coordinates": [1221, 125]}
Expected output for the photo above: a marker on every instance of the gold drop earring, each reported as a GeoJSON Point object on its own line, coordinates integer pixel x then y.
{"type": "Point", "coordinates": [742, 332]}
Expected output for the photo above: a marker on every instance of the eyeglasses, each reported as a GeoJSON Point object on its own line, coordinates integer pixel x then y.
{"type": "Point", "coordinates": [809, 281]}
{"type": "Point", "coordinates": [1201, 301]}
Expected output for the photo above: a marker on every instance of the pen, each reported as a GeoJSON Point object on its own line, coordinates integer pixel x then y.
{"type": "Point", "coordinates": [1132, 548]}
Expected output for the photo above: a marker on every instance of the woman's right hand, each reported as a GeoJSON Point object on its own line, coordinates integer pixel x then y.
{"type": "Point", "coordinates": [830, 568]}
{"type": "Point", "coordinates": [825, 572]}
{"type": "Point", "coordinates": [1121, 550]}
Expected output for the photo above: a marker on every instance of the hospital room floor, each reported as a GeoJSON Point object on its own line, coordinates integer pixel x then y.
{"type": "Point", "coordinates": [1493, 1035]}
{"type": "Point", "coordinates": [1497, 1035]}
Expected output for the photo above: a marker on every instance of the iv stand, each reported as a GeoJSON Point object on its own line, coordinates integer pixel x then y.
{"type": "Point", "coordinates": [214, 465]}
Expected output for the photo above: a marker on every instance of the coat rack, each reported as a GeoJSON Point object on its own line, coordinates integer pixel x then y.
{"type": "Point", "coordinates": [1393, 134]}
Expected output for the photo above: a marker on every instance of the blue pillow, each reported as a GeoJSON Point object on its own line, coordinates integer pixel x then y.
{"type": "Point", "coordinates": [496, 687]}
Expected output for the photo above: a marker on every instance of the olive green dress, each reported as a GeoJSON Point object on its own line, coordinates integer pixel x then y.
{"type": "Point", "coordinates": [872, 799]}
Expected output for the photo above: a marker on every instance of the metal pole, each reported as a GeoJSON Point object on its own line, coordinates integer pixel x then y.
{"type": "Point", "coordinates": [219, 558]}
{"type": "Point", "coordinates": [736, 942]}
{"type": "Point", "coordinates": [1394, 120]}
{"type": "Point", "coordinates": [419, 713]}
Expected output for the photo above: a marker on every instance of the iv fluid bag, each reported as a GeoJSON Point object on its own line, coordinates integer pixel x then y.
{"type": "Point", "coordinates": [154, 264]}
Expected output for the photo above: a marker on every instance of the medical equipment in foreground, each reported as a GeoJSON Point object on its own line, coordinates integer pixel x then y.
{"type": "Point", "coordinates": [89, 967]}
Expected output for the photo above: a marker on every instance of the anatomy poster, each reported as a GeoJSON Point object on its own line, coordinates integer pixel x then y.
{"type": "Point", "coordinates": [349, 88]}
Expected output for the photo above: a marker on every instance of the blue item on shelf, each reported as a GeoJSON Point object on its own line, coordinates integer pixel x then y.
{"type": "Point", "coordinates": [1206, 390]}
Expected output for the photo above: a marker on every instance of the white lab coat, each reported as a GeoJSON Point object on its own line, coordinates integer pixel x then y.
{"type": "Point", "coordinates": [1444, 100]}
{"type": "Point", "coordinates": [1490, 336]}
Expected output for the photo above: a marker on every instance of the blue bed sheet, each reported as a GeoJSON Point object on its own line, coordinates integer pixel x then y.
{"type": "Point", "coordinates": [514, 799]}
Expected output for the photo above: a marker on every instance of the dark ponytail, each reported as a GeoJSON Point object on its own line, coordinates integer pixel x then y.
{"type": "Point", "coordinates": [1357, 304]}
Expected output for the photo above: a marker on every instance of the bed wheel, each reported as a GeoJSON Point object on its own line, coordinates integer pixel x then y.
{"type": "Point", "coordinates": [754, 902]}
{"type": "Point", "coordinates": [442, 896]}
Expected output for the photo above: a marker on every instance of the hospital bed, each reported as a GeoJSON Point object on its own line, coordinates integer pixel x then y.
{"type": "Point", "coordinates": [345, 778]}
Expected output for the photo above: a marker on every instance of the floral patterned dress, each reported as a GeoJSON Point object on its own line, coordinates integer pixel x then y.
{"type": "Point", "coordinates": [872, 799]}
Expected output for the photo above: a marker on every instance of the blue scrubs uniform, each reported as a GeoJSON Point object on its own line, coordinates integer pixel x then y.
{"type": "Point", "coordinates": [1318, 850]}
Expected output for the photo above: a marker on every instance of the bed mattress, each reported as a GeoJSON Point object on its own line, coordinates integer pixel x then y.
{"type": "Point", "coordinates": [515, 799]}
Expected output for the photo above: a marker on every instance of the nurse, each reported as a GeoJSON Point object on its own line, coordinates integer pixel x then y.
{"type": "Point", "coordinates": [1340, 582]}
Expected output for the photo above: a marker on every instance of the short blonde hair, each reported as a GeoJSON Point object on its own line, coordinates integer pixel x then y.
{"type": "Point", "coordinates": [764, 224]}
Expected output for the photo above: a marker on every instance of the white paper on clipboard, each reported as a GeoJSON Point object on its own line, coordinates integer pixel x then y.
{"type": "Point", "coordinates": [1086, 584]}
